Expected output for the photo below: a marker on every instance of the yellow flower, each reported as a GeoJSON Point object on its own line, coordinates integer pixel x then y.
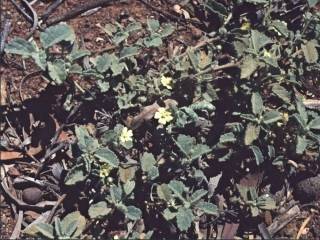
{"type": "Point", "coordinates": [245, 26]}
{"type": "Point", "coordinates": [126, 135]}
{"type": "Point", "coordinates": [105, 170]}
{"type": "Point", "coordinates": [267, 54]}
{"type": "Point", "coordinates": [285, 117]}
{"type": "Point", "coordinates": [166, 82]}
{"type": "Point", "coordinates": [164, 116]}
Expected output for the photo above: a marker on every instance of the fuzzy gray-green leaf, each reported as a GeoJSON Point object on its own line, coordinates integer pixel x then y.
{"type": "Point", "coordinates": [106, 155]}
{"type": "Point", "coordinates": [310, 52]}
{"type": "Point", "coordinates": [56, 34]}
{"type": "Point", "coordinates": [98, 210]}
{"type": "Point", "coordinates": [75, 175]}
{"type": "Point", "coordinates": [251, 134]}
{"type": "Point", "coordinates": [257, 154]}
{"type": "Point", "coordinates": [57, 71]}
{"type": "Point", "coordinates": [22, 47]}
{"type": "Point", "coordinates": [184, 218]}
{"type": "Point", "coordinates": [248, 67]}
{"type": "Point", "coordinates": [257, 103]}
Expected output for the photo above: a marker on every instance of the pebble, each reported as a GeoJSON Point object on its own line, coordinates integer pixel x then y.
{"type": "Point", "coordinates": [308, 190]}
{"type": "Point", "coordinates": [31, 195]}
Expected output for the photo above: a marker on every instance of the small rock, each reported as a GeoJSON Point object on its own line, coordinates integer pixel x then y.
{"type": "Point", "coordinates": [308, 190]}
{"type": "Point", "coordinates": [13, 172]}
{"type": "Point", "coordinates": [31, 195]}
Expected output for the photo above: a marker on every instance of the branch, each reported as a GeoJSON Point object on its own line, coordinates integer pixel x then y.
{"type": "Point", "coordinates": [79, 10]}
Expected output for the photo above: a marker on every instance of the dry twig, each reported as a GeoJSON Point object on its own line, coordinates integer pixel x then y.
{"type": "Point", "coordinates": [79, 10]}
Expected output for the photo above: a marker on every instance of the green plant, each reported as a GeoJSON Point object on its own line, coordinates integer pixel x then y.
{"type": "Point", "coordinates": [71, 226]}
{"type": "Point", "coordinates": [234, 103]}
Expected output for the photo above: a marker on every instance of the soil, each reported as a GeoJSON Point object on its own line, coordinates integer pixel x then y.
{"type": "Point", "coordinates": [96, 40]}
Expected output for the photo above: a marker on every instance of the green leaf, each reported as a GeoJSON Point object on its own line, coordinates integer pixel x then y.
{"type": "Point", "coordinates": [98, 210]}
{"type": "Point", "coordinates": [278, 161]}
{"type": "Point", "coordinates": [240, 47]}
{"type": "Point", "coordinates": [164, 192]}
{"type": "Point", "coordinates": [110, 29]}
{"type": "Point", "coordinates": [299, 119]}
{"type": "Point", "coordinates": [22, 47]}
{"type": "Point", "coordinates": [280, 27]}
{"type": "Point", "coordinates": [216, 7]}
{"type": "Point", "coordinates": [194, 59]}
{"type": "Point", "coordinates": [71, 228]}
{"type": "Point", "coordinates": [77, 54]}
{"type": "Point", "coordinates": [257, 103]}
{"type": "Point", "coordinates": [282, 93]}
{"type": "Point", "coordinates": [258, 154]}
{"type": "Point", "coordinates": [128, 187]}
{"type": "Point", "coordinates": [103, 62]}
{"type": "Point", "coordinates": [177, 187]}
{"type": "Point", "coordinates": [251, 134]}
{"type": "Point", "coordinates": [120, 37]}
{"type": "Point", "coordinates": [266, 202]}
{"type": "Point", "coordinates": [58, 227]}
{"type": "Point", "coordinates": [310, 52]}
{"type": "Point", "coordinates": [248, 67]}
{"type": "Point", "coordinates": [167, 30]}
{"type": "Point", "coordinates": [202, 106]}
{"type": "Point", "coordinates": [57, 34]}
{"type": "Point", "coordinates": [271, 117]}
{"type": "Point", "coordinates": [86, 143]}
{"type": "Point", "coordinates": [75, 68]}
{"type": "Point", "coordinates": [199, 150]}
{"type": "Point", "coordinates": [257, 1]}
{"type": "Point", "coordinates": [259, 40]}
{"type": "Point", "coordinates": [153, 41]}
{"type": "Point", "coordinates": [69, 219]}
{"type": "Point", "coordinates": [147, 161]}
{"type": "Point", "coordinates": [103, 86]}
{"type": "Point", "coordinates": [302, 112]}
{"type": "Point", "coordinates": [134, 26]}
{"type": "Point", "coordinates": [153, 25]}
{"type": "Point", "coordinates": [57, 71]}
{"type": "Point", "coordinates": [249, 117]}
{"type": "Point", "coordinates": [106, 155]}
{"type": "Point", "coordinates": [127, 52]}
{"type": "Point", "coordinates": [116, 193]}
{"type": "Point", "coordinates": [168, 215]}
{"type": "Point", "coordinates": [302, 144]}
{"type": "Point", "coordinates": [117, 68]}
{"type": "Point", "coordinates": [133, 213]}
{"type": "Point", "coordinates": [40, 59]}
{"type": "Point", "coordinates": [313, 3]}
{"type": "Point", "coordinates": [153, 173]}
{"type": "Point", "coordinates": [191, 150]}
{"type": "Point", "coordinates": [227, 138]}
{"type": "Point", "coordinates": [315, 124]}
{"type": "Point", "coordinates": [184, 218]}
{"type": "Point", "coordinates": [208, 208]}
{"type": "Point", "coordinates": [197, 195]}
{"type": "Point", "coordinates": [45, 229]}
{"type": "Point", "coordinates": [127, 174]}
{"type": "Point", "coordinates": [75, 175]}
{"type": "Point", "coordinates": [185, 143]}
